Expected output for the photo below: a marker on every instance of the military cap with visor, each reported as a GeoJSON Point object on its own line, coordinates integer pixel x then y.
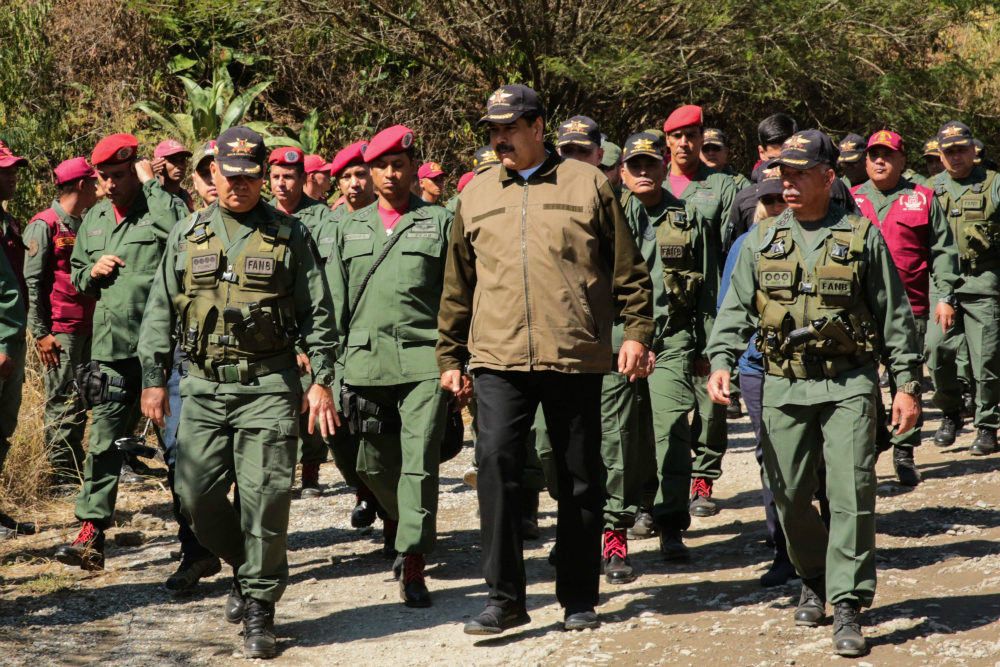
{"type": "Point", "coordinates": [115, 149]}
{"type": "Point", "coordinates": [980, 150]}
{"type": "Point", "coordinates": [73, 170]}
{"type": "Point", "coordinates": [954, 133]}
{"type": "Point", "coordinates": [931, 148]}
{"type": "Point", "coordinates": [642, 143]}
{"type": "Point", "coordinates": [579, 131]}
{"type": "Point", "coordinates": [240, 152]}
{"type": "Point", "coordinates": [769, 181]}
{"type": "Point", "coordinates": [430, 170]}
{"type": "Point", "coordinates": [170, 147]}
{"type": "Point", "coordinates": [612, 155]}
{"type": "Point", "coordinates": [8, 159]}
{"type": "Point", "coordinates": [713, 137]}
{"type": "Point", "coordinates": [508, 103]}
{"type": "Point", "coordinates": [315, 164]}
{"type": "Point", "coordinates": [852, 148]}
{"type": "Point", "coordinates": [485, 158]}
{"type": "Point", "coordinates": [204, 152]}
{"type": "Point", "coordinates": [805, 150]}
{"type": "Point", "coordinates": [886, 138]}
{"type": "Point", "coordinates": [345, 157]}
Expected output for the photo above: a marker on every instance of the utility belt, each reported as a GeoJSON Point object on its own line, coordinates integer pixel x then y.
{"type": "Point", "coordinates": [805, 366]}
{"type": "Point", "coordinates": [974, 267]}
{"type": "Point", "coordinates": [96, 387]}
{"type": "Point", "coordinates": [243, 371]}
{"type": "Point", "coordinates": [364, 416]}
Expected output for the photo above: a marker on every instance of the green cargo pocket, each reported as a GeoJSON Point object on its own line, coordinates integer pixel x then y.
{"type": "Point", "coordinates": [420, 259]}
{"type": "Point", "coordinates": [357, 355]}
{"type": "Point", "coordinates": [416, 350]}
{"type": "Point", "coordinates": [280, 451]}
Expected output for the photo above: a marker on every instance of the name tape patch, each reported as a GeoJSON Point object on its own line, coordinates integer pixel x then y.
{"type": "Point", "coordinates": [834, 287]}
{"type": "Point", "coordinates": [327, 239]}
{"type": "Point", "coordinates": [95, 232]}
{"type": "Point", "coordinates": [357, 237]}
{"type": "Point", "coordinates": [672, 251]}
{"type": "Point", "coordinates": [259, 266]}
{"type": "Point", "coordinates": [413, 234]}
{"type": "Point", "coordinates": [772, 278]}
{"type": "Point", "coordinates": [201, 264]}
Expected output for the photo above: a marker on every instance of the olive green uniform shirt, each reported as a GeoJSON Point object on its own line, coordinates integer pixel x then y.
{"type": "Point", "coordinates": [312, 307]}
{"type": "Point", "coordinates": [36, 268]}
{"type": "Point", "coordinates": [986, 283]}
{"type": "Point", "coordinates": [139, 242]}
{"type": "Point", "coordinates": [944, 267]}
{"type": "Point", "coordinates": [711, 193]}
{"type": "Point", "coordinates": [886, 299]}
{"type": "Point", "coordinates": [390, 337]}
{"type": "Point", "coordinates": [13, 318]}
{"type": "Point", "coordinates": [311, 212]}
{"type": "Point", "coordinates": [739, 179]}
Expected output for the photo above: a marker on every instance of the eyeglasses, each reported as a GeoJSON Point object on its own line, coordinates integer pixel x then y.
{"type": "Point", "coordinates": [771, 200]}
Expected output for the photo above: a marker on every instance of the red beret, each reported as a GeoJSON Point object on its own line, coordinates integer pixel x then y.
{"type": "Point", "coordinates": [315, 163]}
{"type": "Point", "coordinates": [115, 149]}
{"type": "Point", "coordinates": [73, 170]}
{"type": "Point", "coordinates": [464, 180]}
{"type": "Point", "coordinates": [429, 170]}
{"type": "Point", "coordinates": [683, 116]}
{"type": "Point", "coordinates": [287, 155]}
{"type": "Point", "coordinates": [170, 147]}
{"type": "Point", "coordinates": [395, 139]}
{"type": "Point", "coordinates": [353, 154]}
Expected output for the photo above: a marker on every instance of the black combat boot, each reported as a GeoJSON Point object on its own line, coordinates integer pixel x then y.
{"type": "Point", "coordinates": [617, 566]}
{"type": "Point", "coordinates": [883, 379]}
{"type": "Point", "coordinates": [529, 517]}
{"type": "Point", "coordinates": [10, 528]}
{"type": "Point", "coordinates": [129, 476]}
{"type": "Point", "coordinates": [495, 620]}
{"type": "Point", "coordinates": [779, 573]}
{"type": "Point", "coordinates": [735, 409]}
{"type": "Point", "coordinates": [968, 405]}
{"type": "Point", "coordinates": [389, 529]}
{"type": "Point", "coordinates": [86, 551]}
{"type": "Point", "coordinates": [672, 547]}
{"type": "Point", "coordinates": [906, 469]}
{"type": "Point", "coordinates": [310, 481]}
{"type": "Point", "coordinates": [190, 572]}
{"type": "Point", "coordinates": [644, 527]}
{"type": "Point", "coordinates": [812, 603]}
{"type": "Point", "coordinates": [236, 604]}
{"type": "Point", "coordinates": [258, 630]}
{"type": "Point", "coordinates": [847, 637]}
{"type": "Point", "coordinates": [948, 430]}
{"type": "Point", "coordinates": [702, 504]}
{"type": "Point", "coordinates": [985, 442]}
{"type": "Point", "coordinates": [412, 588]}
{"type": "Point", "coordinates": [366, 508]}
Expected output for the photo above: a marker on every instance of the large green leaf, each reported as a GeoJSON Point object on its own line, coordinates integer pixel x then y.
{"type": "Point", "coordinates": [198, 98]}
{"type": "Point", "coordinates": [241, 104]}
{"type": "Point", "coordinates": [276, 142]}
{"type": "Point", "coordinates": [309, 136]}
{"type": "Point", "coordinates": [154, 110]}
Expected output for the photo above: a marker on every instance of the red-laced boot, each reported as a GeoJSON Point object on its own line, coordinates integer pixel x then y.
{"type": "Point", "coordinates": [86, 551]}
{"type": "Point", "coordinates": [412, 588]}
{"type": "Point", "coordinates": [702, 504]}
{"type": "Point", "coordinates": [310, 481]}
{"type": "Point", "coordinates": [617, 566]}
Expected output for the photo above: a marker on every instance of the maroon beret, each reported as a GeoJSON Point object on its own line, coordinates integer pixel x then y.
{"type": "Point", "coordinates": [287, 155]}
{"type": "Point", "coordinates": [395, 139]}
{"type": "Point", "coordinates": [689, 114]}
{"type": "Point", "coordinates": [353, 154]}
{"type": "Point", "coordinates": [115, 149]}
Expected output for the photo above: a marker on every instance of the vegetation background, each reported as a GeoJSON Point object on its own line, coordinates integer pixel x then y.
{"type": "Point", "coordinates": [330, 73]}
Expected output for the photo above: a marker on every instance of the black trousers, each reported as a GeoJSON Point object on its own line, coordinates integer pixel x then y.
{"type": "Point", "coordinates": [571, 402]}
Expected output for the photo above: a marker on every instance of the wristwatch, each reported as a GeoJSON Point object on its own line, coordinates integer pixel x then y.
{"type": "Point", "coordinates": [911, 388]}
{"type": "Point", "coordinates": [950, 300]}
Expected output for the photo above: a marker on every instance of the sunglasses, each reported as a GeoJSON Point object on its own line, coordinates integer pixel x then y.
{"type": "Point", "coordinates": [771, 200]}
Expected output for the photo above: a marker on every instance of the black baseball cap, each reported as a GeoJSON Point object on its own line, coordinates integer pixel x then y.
{"type": "Point", "coordinates": [980, 151]}
{"type": "Point", "coordinates": [931, 148]}
{"type": "Point", "coordinates": [579, 131]}
{"type": "Point", "coordinates": [852, 148]}
{"type": "Point", "coordinates": [954, 133]}
{"type": "Point", "coordinates": [508, 103]}
{"type": "Point", "coordinates": [642, 143]}
{"type": "Point", "coordinates": [713, 137]}
{"type": "Point", "coordinates": [485, 158]}
{"type": "Point", "coordinates": [769, 181]}
{"type": "Point", "coordinates": [240, 152]}
{"type": "Point", "coordinates": [805, 150]}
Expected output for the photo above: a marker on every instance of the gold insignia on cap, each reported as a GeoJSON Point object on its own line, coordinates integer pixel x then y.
{"type": "Point", "coordinates": [848, 146]}
{"type": "Point", "coordinates": [575, 126]}
{"type": "Point", "coordinates": [951, 131]}
{"type": "Point", "coordinates": [796, 141]}
{"type": "Point", "coordinates": [883, 137]}
{"type": "Point", "coordinates": [772, 173]}
{"type": "Point", "coordinates": [436, 167]}
{"type": "Point", "coordinates": [498, 97]}
{"type": "Point", "coordinates": [711, 134]}
{"type": "Point", "coordinates": [643, 145]}
{"type": "Point", "coordinates": [242, 146]}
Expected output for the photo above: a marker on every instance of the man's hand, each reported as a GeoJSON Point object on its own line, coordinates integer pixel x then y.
{"type": "Point", "coordinates": [49, 349]}
{"type": "Point", "coordinates": [459, 399]}
{"type": "Point", "coordinates": [718, 387]}
{"type": "Point", "coordinates": [702, 367]}
{"type": "Point", "coordinates": [157, 165]}
{"type": "Point", "coordinates": [105, 265]}
{"type": "Point", "coordinates": [155, 404]}
{"type": "Point", "coordinates": [6, 365]}
{"type": "Point", "coordinates": [633, 360]}
{"type": "Point", "coordinates": [452, 381]}
{"type": "Point", "coordinates": [319, 402]}
{"type": "Point", "coordinates": [144, 170]}
{"type": "Point", "coordinates": [905, 412]}
{"type": "Point", "coordinates": [945, 316]}
{"type": "Point", "coordinates": [304, 365]}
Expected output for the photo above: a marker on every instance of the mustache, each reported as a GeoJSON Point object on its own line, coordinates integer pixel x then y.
{"type": "Point", "coordinates": [504, 147]}
{"type": "Point", "coordinates": [791, 191]}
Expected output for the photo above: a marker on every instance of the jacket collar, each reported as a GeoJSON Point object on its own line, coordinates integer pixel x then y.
{"type": "Point", "coordinates": [552, 160]}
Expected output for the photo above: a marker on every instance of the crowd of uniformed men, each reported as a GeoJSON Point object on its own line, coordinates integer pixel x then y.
{"type": "Point", "coordinates": [596, 307]}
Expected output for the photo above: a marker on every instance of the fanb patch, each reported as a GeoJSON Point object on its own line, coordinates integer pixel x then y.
{"type": "Point", "coordinates": [773, 278]}
{"type": "Point", "coordinates": [834, 287]}
{"type": "Point", "coordinates": [32, 247]}
{"type": "Point", "coordinates": [672, 251]}
{"type": "Point", "coordinates": [259, 266]}
{"type": "Point", "coordinates": [204, 264]}
{"type": "Point", "coordinates": [423, 231]}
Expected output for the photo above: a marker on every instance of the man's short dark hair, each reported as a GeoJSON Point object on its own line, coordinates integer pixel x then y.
{"type": "Point", "coordinates": [776, 129]}
{"type": "Point", "coordinates": [530, 116]}
{"type": "Point", "coordinates": [68, 187]}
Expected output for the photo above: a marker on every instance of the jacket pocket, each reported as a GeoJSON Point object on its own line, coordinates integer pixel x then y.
{"type": "Point", "coordinates": [419, 261]}
{"type": "Point", "coordinates": [416, 350]}
{"type": "Point", "coordinates": [357, 355]}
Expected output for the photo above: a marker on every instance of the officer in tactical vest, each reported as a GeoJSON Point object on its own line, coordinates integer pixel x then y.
{"type": "Point", "coordinates": [288, 180]}
{"type": "Point", "coordinates": [711, 193]}
{"type": "Point", "coordinates": [117, 250]}
{"type": "Point", "coordinates": [243, 283]}
{"type": "Point", "coordinates": [970, 197]}
{"type": "Point", "coordinates": [386, 272]}
{"type": "Point", "coordinates": [820, 289]}
{"type": "Point", "coordinates": [60, 318]}
{"type": "Point", "coordinates": [922, 247]}
{"type": "Point", "coordinates": [681, 252]}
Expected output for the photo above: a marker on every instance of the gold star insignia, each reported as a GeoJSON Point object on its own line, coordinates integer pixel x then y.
{"type": "Point", "coordinates": [499, 97]}
{"type": "Point", "coordinates": [932, 145]}
{"type": "Point", "coordinates": [951, 131]}
{"type": "Point", "coordinates": [575, 127]}
{"type": "Point", "coordinates": [642, 145]}
{"type": "Point", "coordinates": [796, 141]}
{"type": "Point", "coordinates": [242, 146]}
{"type": "Point", "coordinates": [848, 146]}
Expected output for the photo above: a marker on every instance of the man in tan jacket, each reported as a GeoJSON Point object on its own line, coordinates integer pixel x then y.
{"type": "Point", "coordinates": [540, 265]}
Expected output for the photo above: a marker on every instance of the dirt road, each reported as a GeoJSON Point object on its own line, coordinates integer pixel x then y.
{"type": "Point", "coordinates": [938, 600]}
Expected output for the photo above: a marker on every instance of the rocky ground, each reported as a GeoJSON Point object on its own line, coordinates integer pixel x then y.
{"type": "Point", "coordinates": [938, 600]}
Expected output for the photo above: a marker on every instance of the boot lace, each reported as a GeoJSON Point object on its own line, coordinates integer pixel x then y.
{"type": "Point", "coordinates": [701, 488]}
{"type": "Point", "coordinates": [615, 544]}
{"type": "Point", "coordinates": [88, 532]}
{"type": "Point", "coordinates": [255, 618]}
{"type": "Point", "coordinates": [413, 569]}
{"type": "Point", "coordinates": [845, 615]}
